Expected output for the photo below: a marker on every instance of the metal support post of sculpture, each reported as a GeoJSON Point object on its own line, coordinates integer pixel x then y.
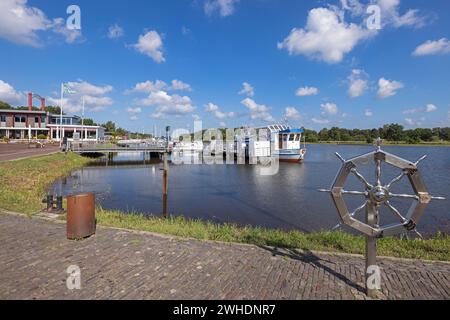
{"type": "Point", "coordinates": [378, 195]}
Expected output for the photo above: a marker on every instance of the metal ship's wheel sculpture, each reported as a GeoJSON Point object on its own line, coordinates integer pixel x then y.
{"type": "Point", "coordinates": [378, 195]}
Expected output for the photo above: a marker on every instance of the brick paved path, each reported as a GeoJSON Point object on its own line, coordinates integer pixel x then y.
{"type": "Point", "coordinates": [14, 151]}
{"type": "Point", "coordinates": [117, 264]}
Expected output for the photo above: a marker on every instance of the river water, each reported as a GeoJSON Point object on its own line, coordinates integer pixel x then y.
{"type": "Point", "coordinates": [239, 194]}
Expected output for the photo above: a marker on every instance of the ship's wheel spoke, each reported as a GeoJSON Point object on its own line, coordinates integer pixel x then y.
{"type": "Point", "coordinates": [404, 196]}
{"type": "Point", "coordinates": [360, 208]}
{"type": "Point", "coordinates": [395, 180]}
{"type": "Point", "coordinates": [354, 193]}
{"type": "Point", "coordinates": [395, 211]}
{"type": "Point", "coordinates": [378, 172]}
{"type": "Point", "coordinates": [361, 178]}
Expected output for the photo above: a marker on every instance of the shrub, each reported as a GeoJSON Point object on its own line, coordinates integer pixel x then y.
{"type": "Point", "coordinates": [42, 137]}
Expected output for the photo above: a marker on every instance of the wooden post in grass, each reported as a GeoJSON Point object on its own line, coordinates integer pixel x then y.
{"type": "Point", "coordinates": [165, 186]}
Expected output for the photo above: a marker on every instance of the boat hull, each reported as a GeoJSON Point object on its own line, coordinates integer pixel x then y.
{"type": "Point", "coordinates": [293, 156]}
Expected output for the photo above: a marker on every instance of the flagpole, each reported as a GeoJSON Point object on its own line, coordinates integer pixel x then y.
{"type": "Point", "coordinates": [60, 115]}
{"type": "Point", "coordinates": [82, 120]}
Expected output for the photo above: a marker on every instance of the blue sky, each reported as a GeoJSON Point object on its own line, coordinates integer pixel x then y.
{"type": "Point", "coordinates": [331, 70]}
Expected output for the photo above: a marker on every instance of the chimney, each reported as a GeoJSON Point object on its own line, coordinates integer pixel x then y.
{"type": "Point", "coordinates": [43, 104]}
{"type": "Point", "coordinates": [30, 100]}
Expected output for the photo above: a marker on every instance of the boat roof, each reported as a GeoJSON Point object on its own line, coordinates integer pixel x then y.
{"type": "Point", "coordinates": [292, 131]}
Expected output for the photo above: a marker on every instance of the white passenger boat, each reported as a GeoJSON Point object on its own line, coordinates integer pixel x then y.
{"type": "Point", "coordinates": [286, 143]}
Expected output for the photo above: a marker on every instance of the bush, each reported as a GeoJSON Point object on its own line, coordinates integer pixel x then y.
{"type": "Point", "coordinates": [6, 139]}
{"type": "Point", "coordinates": [42, 137]}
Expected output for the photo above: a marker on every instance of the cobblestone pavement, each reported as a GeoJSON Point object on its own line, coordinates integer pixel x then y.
{"type": "Point", "coordinates": [14, 151]}
{"type": "Point", "coordinates": [120, 264]}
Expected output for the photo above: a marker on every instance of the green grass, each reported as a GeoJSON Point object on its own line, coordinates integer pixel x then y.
{"type": "Point", "coordinates": [23, 183]}
{"type": "Point", "coordinates": [436, 248]}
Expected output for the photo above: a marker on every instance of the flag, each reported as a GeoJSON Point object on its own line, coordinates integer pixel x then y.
{"type": "Point", "coordinates": [67, 89]}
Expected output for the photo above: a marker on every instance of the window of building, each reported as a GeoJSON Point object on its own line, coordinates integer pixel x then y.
{"type": "Point", "coordinates": [19, 119]}
{"type": "Point", "coordinates": [36, 119]}
{"type": "Point", "coordinates": [2, 118]}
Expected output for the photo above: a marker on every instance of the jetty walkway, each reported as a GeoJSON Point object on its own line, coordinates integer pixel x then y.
{"type": "Point", "coordinates": [122, 264]}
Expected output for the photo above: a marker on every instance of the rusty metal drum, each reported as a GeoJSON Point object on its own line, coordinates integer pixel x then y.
{"type": "Point", "coordinates": [80, 215]}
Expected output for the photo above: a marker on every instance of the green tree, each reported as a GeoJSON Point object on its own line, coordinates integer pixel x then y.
{"type": "Point", "coordinates": [5, 105]}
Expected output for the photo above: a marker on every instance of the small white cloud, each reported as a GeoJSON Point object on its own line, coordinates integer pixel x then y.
{"type": "Point", "coordinates": [441, 46]}
{"type": "Point", "coordinates": [320, 121]}
{"type": "Point", "coordinates": [115, 31]}
{"type": "Point", "coordinates": [134, 111]}
{"type": "Point", "coordinates": [410, 122]}
{"type": "Point", "coordinates": [167, 104]}
{"type": "Point", "coordinates": [368, 113]}
{"type": "Point", "coordinates": [257, 111]}
{"type": "Point", "coordinates": [247, 89]}
{"type": "Point", "coordinates": [325, 37]}
{"type": "Point", "coordinates": [134, 118]}
{"type": "Point", "coordinates": [9, 94]}
{"type": "Point", "coordinates": [152, 86]}
{"type": "Point", "coordinates": [357, 83]}
{"type": "Point", "coordinates": [151, 45]}
{"type": "Point", "coordinates": [185, 31]}
{"type": "Point", "coordinates": [430, 108]}
{"type": "Point", "coordinates": [224, 7]}
{"type": "Point", "coordinates": [292, 113]}
{"type": "Point", "coordinates": [215, 110]}
{"type": "Point", "coordinates": [180, 85]}
{"type": "Point", "coordinates": [307, 91]}
{"type": "Point", "coordinates": [388, 88]}
{"type": "Point", "coordinates": [329, 109]}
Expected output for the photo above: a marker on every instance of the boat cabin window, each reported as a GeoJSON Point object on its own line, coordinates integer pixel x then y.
{"type": "Point", "coordinates": [297, 137]}
{"type": "Point", "coordinates": [291, 137]}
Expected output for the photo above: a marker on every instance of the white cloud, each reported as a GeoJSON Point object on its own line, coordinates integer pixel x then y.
{"type": "Point", "coordinates": [292, 113]}
{"type": "Point", "coordinates": [9, 94]}
{"type": "Point", "coordinates": [320, 121]}
{"type": "Point", "coordinates": [152, 86]}
{"type": "Point", "coordinates": [388, 88]}
{"type": "Point", "coordinates": [71, 36]}
{"type": "Point", "coordinates": [22, 24]}
{"type": "Point", "coordinates": [247, 89]}
{"type": "Point", "coordinates": [430, 108]}
{"type": "Point", "coordinates": [151, 45]}
{"type": "Point", "coordinates": [390, 13]}
{"type": "Point", "coordinates": [325, 37]}
{"type": "Point", "coordinates": [224, 7]}
{"type": "Point", "coordinates": [307, 91]}
{"type": "Point", "coordinates": [357, 83]}
{"type": "Point", "coordinates": [391, 16]}
{"type": "Point", "coordinates": [134, 111]}
{"type": "Point", "coordinates": [329, 109]}
{"type": "Point", "coordinates": [167, 104]}
{"type": "Point", "coordinates": [180, 85]}
{"type": "Point", "coordinates": [134, 118]}
{"type": "Point", "coordinates": [215, 110]}
{"type": "Point", "coordinates": [94, 97]}
{"type": "Point", "coordinates": [257, 111]}
{"type": "Point", "coordinates": [115, 31]}
{"type": "Point", "coordinates": [368, 113]}
{"type": "Point", "coordinates": [441, 46]}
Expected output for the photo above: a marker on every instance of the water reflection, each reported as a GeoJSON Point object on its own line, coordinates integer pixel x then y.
{"type": "Point", "coordinates": [237, 193]}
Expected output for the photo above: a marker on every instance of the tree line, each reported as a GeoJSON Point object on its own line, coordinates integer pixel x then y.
{"type": "Point", "coordinates": [391, 132]}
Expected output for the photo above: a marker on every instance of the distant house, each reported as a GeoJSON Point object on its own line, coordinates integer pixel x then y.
{"type": "Point", "coordinates": [23, 124]}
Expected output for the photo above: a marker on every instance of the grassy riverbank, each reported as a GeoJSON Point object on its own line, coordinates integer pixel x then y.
{"type": "Point", "coordinates": [23, 183]}
{"type": "Point", "coordinates": [437, 248]}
